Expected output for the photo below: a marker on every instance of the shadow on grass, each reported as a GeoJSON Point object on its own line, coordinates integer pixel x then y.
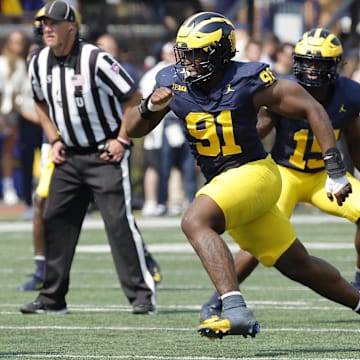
{"type": "Point", "coordinates": [289, 353]}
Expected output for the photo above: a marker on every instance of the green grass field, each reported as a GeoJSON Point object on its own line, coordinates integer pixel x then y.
{"type": "Point", "coordinates": [295, 322]}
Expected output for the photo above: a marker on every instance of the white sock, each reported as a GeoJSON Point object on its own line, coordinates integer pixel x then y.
{"type": "Point", "coordinates": [222, 297]}
{"type": "Point", "coordinates": [8, 183]}
{"type": "Point", "coordinates": [357, 309]}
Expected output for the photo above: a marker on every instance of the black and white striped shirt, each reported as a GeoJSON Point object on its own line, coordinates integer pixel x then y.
{"type": "Point", "coordinates": [84, 92]}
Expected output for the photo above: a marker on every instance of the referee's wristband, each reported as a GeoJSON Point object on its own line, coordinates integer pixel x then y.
{"type": "Point", "coordinates": [127, 144]}
{"type": "Point", "coordinates": [52, 143]}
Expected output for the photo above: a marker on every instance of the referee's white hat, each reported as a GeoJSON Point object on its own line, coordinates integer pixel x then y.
{"type": "Point", "coordinates": [58, 10]}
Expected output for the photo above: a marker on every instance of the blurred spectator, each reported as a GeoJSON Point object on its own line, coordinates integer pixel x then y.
{"type": "Point", "coordinates": [311, 13]}
{"type": "Point", "coordinates": [327, 9]}
{"type": "Point", "coordinates": [175, 153]}
{"type": "Point", "coordinates": [176, 11]}
{"type": "Point", "coordinates": [19, 7]}
{"type": "Point", "coordinates": [223, 6]}
{"type": "Point", "coordinates": [153, 141]}
{"type": "Point", "coordinates": [300, 14]}
{"type": "Point", "coordinates": [12, 76]}
{"type": "Point", "coordinates": [242, 37]}
{"type": "Point", "coordinates": [253, 50]}
{"type": "Point", "coordinates": [351, 44]}
{"type": "Point", "coordinates": [284, 62]}
{"type": "Point", "coordinates": [164, 149]}
{"type": "Point", "coordinates": [172, 12]}
{"type": "Point", "coordinates": [30, 138]}
{"type": "Point", "coordinates": [270, 46]}
{"type": "Point", "coordinates": [109, 43]}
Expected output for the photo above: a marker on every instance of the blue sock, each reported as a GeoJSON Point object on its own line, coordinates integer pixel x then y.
{"type": "Point", "coordinates": [215, 300]}
{"type": "Point", "coordinates": [39, 267]}
{"type": "Point", "coordinates": [233, 301]}
{"type": "Point", "coordinates": [357, 276]}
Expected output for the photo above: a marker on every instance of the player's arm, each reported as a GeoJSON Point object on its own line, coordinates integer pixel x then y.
{"type": "Point", "coordinates": [133, 101]}
{"type": "Point", "coordinates": [142, 119]}
{"type": "Point", "coordinates": [352, 136]}
{"type": "Point", "coordinates": [265, 123]}
{"type": "Point", "coordinates": [291, 100]}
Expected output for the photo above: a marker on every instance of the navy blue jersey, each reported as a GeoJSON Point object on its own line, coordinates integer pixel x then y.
{"type": "Point", "coordinates": [220, 125]}
{"type": "Point", "coordinates": [295, 145]}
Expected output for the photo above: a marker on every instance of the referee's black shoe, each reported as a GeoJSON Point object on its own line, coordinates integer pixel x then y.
{"type": "Point", "coordinates": [144, 309]}
{"type": "Point", "coordinates": [37, 307]}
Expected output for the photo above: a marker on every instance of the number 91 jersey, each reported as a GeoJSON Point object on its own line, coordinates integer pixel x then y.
{"type": "Point", "coordinates": [220, 125]}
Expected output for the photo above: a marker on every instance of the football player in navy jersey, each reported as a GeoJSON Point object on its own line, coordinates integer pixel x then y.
{"type": "Point", "coordinates": [317, 61]}
{"type": "Point", "coordinates": [218, 100]}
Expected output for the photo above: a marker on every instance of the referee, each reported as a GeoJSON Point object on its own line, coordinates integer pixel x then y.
{"type": "Point", "coordinates": [82, 93]}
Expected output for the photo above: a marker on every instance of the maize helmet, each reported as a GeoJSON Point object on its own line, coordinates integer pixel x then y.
{"type": "Point", "coordinates": [317, 58]}
{"type": "Point", "coordinates": [206, 39]}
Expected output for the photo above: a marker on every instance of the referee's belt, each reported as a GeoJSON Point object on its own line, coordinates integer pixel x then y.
{"type": "Point", "coordinates": [79, 150]}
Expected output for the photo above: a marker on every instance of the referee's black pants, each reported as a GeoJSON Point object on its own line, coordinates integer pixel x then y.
{"type": "Point", "coordinates": [73, 182]}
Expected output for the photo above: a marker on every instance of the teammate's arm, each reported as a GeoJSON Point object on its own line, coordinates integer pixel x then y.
{"type": "Point", "coordinates": [266, 122]}
{"type": "Point", "coordinates": [291, 100]}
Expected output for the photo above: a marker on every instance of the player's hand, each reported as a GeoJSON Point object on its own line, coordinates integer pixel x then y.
{"type": "Point", "coordinates": [338, 187]}
{"type": "Point", "coordinates": [160, 98]}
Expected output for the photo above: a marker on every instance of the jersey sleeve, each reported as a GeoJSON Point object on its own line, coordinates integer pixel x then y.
{"type": "Point", "coordinates": [113, 78]}
{"type": "Point", "coordinates": [165, 77]}
{"type": "Point", "coordinates": [261, 78]}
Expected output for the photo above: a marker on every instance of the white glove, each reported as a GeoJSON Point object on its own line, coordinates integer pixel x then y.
{"type": "Point", "coordinates": [334, 185]}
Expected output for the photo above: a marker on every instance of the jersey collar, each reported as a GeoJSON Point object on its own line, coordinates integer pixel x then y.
{"type": "Point", "coordinates": [69, 60]}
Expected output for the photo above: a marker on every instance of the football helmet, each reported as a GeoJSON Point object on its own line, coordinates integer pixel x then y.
{"type": "Point", "coordinates": [317, 58]}
{"type": "Point", "coordinates": [205, 43]}
{"type": "Point", "coordinates": [37, 23]}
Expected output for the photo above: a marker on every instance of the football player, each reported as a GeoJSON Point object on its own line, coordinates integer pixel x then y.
{"type": "Point", "coordinates": [317, 62]}
{"type": "Point", "coordinates": [218, 100]}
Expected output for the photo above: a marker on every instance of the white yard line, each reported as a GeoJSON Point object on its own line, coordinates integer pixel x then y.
{"type": "Point", "coordinates": [187, 248]}
{"type": "Point", "coordinates": [89, 223]}
{"type": "Point", "coordinates": [149, 357]}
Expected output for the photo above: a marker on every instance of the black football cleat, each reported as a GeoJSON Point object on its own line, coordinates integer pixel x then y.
{"type": "Point", "coordinates": [244, 323]}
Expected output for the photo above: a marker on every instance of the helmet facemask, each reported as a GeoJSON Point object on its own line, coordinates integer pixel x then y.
{"type": "Point", "coordinates": [195, 65]}
{"type": "Point", "coordinates": [317, 58]}
{"type": "Point", "coordinates": [204, 45]}
{"type": "Point", "coordinates": [314, 72]}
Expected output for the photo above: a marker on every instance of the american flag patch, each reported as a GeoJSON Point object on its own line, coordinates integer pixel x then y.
{"type": "Point", "coordinates": [115, 68]}
{"type": "Point", "coordinates": [78, 80]}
